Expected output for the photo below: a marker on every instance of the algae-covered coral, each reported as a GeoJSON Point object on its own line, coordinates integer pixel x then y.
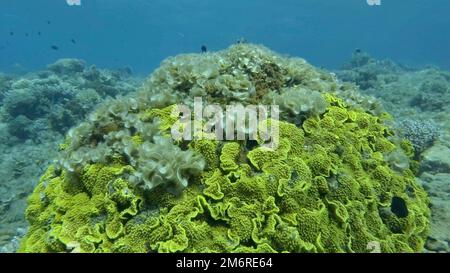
{"type": "Point", "coordinates": [122, 185]}
{"type": "Point", "coordinates": [36, 110]}
{"type": "Point", "coordinates": [419, 98]}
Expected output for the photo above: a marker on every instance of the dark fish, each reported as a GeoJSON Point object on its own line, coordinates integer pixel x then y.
{"type": "Point", "coordinates": [39, 33]}
{"type": "Point", "coordinates": [357, 51]}
{"type": "Point", "coordinates": [241, 40]}
{"type": "Point", "coordinates": [48, 22]}
{"type": "Point", "coordinates": [204, 49]}
{"type": "Point", "coordinates": [54, 47]}
{"type": "Point", "coordinates": [73, 41]}
{"type": "Point", "coordinates": [26, 34]}
{"type": "Point", "coordinates": [11, 33]}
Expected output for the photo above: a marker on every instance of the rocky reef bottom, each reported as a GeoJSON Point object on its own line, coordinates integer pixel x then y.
{"type": "Point", "coordinates": [435, 178]}
{"type": "Point", "coordinates": [21, 166]}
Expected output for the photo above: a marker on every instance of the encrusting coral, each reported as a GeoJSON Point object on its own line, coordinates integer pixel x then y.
{"type": "Point", "coordinates": [122, 184]}
{"type": "Point", "coordinates": [421, 134]}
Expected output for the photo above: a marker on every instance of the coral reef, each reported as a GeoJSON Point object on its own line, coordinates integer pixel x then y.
{"type": "Point", "coordinates": [367, 72]}
{"type": "Point", "coordinates": [162, 162]}
{"type": "Point", "coordinates": [58, 98]}
{"type": "Point", "coordinates": [241, 74]}
{"type": "Point", "coordinates": [295, 103]}
{"type": "Point", "coordinates": [421, 134]}
{"type": "Point", "coordinates": [37, 109]}
{"type": "Point", "coordinates": [434, 92]}
{"type": "Point", "coordinates": [122, 185]}
{"type": "Point", "coordinates": [403, 91]}
{"type": "Point", "coordinates": [419, 97]}
{"type": "Point", "coordinates": [67, 66]}
{"type": "Point", "coordinates": [5, 83]}
{"type": "Point", "coordinates": [20, 167]}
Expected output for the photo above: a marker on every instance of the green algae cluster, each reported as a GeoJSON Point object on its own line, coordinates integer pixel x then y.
{"type": "Point", "coordinates": [329, 185]}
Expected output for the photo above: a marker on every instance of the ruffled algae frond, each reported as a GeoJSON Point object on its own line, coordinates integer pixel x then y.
{"type": "Point", "coordinates": [121, 184]}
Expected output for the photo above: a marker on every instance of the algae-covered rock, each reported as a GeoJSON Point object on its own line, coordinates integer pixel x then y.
{"type": "Point", "coordinates": [121, 184]}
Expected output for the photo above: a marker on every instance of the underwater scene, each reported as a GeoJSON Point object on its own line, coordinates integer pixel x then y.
{"type": "Point", "coordinates": [239, 126]}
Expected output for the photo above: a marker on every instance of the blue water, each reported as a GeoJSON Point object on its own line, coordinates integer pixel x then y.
{"type": "Point", "coordinates": [140, 33]}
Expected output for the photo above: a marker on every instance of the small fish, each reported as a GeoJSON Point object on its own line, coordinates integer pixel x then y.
{"type": "Point", "coordinates": [241, 40]}
{"type": "Point", "coordinates": [73, 41]}
{"type": "Point", "coordinates": [48, 22]}
{"type": "Point", "coordinates": [204, 49]}
{"type": "Point", "coordinates": [357, 51]}
{"type": "Point", "coordinates": [39, 33]}
{"type": "Point", "coordinates": [54, 47]}
{"type": "Point", "coordinates": [11, 33]}
{"type": "Point", "coordinates": [26, 34]}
